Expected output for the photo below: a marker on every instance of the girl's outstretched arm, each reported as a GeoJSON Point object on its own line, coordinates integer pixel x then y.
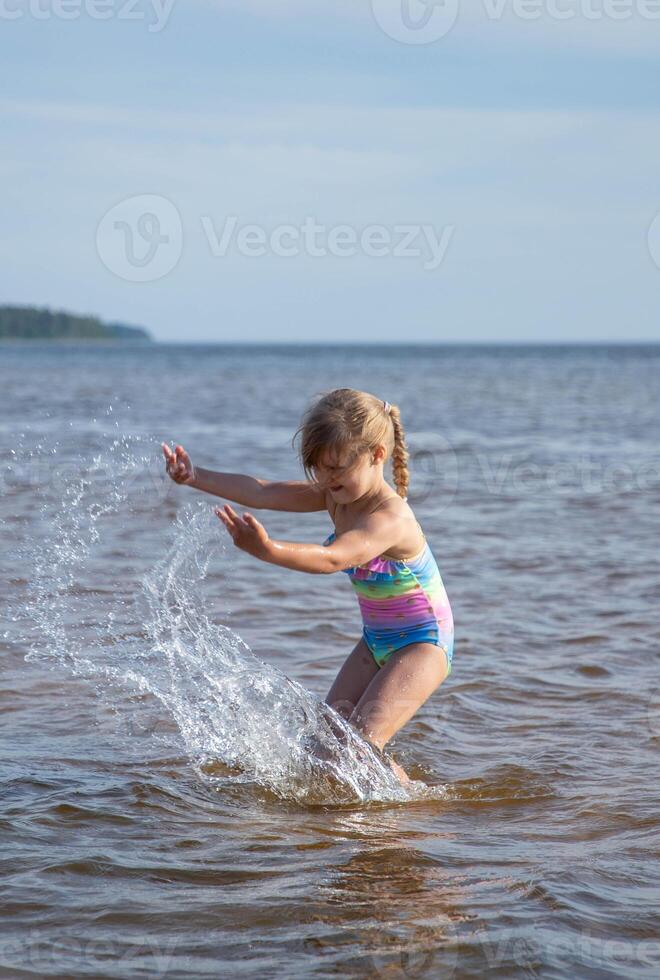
{"type": "Point", "coordinates": [375, 535]}
{"type": "Point", "coordinates": [292, 495]}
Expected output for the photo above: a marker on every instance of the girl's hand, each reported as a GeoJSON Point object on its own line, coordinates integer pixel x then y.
{"type": "Point", "coordinates": [178, 464]}
{"type": "Point", "coordinates": [246, 531]}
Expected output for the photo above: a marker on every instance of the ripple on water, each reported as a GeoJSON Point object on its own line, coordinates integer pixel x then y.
{"type": "Point", "coordinates": [164, 814]}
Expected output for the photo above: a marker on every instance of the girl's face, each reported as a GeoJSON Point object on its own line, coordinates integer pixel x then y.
{"type": "Point", "coordinates": [346, 474]}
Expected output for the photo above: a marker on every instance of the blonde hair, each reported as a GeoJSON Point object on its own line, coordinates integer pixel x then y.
{"type": "Point", "coordinates": [347, 419]}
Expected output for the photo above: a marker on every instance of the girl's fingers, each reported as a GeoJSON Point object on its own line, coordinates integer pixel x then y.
{"type": "Point", "coordinates": [225, 521]}
{"type": "Point", "coordinates": [245, 518]}
{"type": "Point", "coordinates": [173, 465]}
{"type": "Point", "coordinates": [232, 532]}
{"type": "Point", "coordinates": [178, 463]}
{"type": "Point", "coordinates": [235, 521]}
{"type": "Point", "coordinates": [230, 515]}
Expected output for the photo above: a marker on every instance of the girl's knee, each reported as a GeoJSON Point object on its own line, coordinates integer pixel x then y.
{"type": "Point", "coordinates": [343, 707]}
{"type": "Point", "coordinates": [371, 714]}
{"type": "Point", "coordinates": [365, 720]}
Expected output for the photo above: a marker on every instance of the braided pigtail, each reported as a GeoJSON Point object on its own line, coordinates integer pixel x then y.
{"type": "Point", "coordinates": [400, 454]}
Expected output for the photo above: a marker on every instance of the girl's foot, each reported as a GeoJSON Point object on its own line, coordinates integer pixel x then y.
{"type": "Point", "coordinates": [398, 770]}
{"type": "Point", "coordinates": [401, 774]}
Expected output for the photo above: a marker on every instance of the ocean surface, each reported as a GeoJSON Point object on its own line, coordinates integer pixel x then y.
{"type": "Point", "coordinates": [162, 815]}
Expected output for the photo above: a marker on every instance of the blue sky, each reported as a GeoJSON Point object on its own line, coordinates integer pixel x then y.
{"type": "Point", "coordinates": [497, 183]}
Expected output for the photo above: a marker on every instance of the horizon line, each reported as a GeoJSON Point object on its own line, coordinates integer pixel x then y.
{"type": "Point", "coordinates": [406, 343]}
{"type": "Point", "coordinates": [151, 341]}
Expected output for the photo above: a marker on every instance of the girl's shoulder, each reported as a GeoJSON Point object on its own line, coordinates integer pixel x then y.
{"type": "Point", "coordinates": [413, 540]}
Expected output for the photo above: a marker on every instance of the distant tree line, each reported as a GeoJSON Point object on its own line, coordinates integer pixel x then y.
{"type": "Point", "coordinates": [31, 323]}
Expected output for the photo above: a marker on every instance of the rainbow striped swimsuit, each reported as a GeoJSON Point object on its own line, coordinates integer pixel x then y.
{"type": "Point", "coordinates": [402, 601]}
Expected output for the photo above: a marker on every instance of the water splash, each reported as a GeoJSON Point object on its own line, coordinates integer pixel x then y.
{"type": "Point", "coordinates": [150, 634]}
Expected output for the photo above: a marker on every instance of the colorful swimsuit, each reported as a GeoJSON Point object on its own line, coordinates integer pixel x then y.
{"type": "Point", "coordinates": [402, 601]}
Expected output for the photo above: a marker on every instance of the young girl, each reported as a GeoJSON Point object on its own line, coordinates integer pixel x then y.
{"type": "Point", "coordinates": [405, 651]}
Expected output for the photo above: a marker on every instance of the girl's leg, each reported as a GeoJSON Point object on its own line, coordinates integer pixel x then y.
{"type": "Point", "coordinates": [351, 682]}
{"type": "Point", "coordinates": [398, 690]}
{"type": "Point", "coordinates": [357, 672]}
